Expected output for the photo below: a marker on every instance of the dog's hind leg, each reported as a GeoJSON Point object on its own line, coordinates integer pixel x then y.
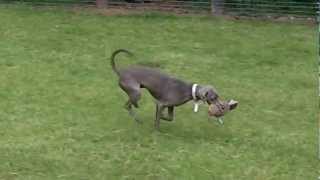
{"type": "Point", "coordinates": [128, 106]}
{"type": "Point", "coordinates": [133, 91]}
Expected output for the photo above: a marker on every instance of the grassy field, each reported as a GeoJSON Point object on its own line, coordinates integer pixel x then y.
{"type": "Point", "coordinates": [62, 115]}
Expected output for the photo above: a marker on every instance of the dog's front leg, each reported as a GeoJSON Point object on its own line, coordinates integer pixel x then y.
{"type": "Point", "coordinates": [159, 109]}
{"type": "Point", "coordinates": [170, 114]}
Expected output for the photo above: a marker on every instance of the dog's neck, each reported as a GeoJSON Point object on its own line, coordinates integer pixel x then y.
{"type": "Point", "coordinates": [194, 92]}
{"type": "Point", "coordinates": [195, 98]}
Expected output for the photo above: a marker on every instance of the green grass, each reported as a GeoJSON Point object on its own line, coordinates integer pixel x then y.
{"type": "Point", "coordinates": [62, 115]}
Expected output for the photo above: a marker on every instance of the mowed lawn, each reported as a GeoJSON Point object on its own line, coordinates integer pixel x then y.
{"type": "Point", "coordinates": [62, 115]}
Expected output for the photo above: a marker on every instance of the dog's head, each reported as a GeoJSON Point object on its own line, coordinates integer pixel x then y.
{"type": "Point", "coordinates": [217, 107]}
{"type": "Point", "coordinates": [209, 95]}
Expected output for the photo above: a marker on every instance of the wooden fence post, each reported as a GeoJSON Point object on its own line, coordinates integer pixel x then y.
{"type": "Point", "coordinates": [217, 7]}
{"type": "Point", "coordinates": [102, 3]}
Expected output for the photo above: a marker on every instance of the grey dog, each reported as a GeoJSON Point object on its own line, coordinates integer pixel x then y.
{"type": "Point", "coordinates": [168, 92]}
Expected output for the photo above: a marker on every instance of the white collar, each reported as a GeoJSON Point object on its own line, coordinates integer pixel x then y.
{"type": "Point", "coordinates": [194, 90]}
{"type": "Point", "coordinates": [194, 96]}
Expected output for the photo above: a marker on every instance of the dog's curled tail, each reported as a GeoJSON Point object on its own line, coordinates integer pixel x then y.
{"type": "Point", "coordinates": [113, 65]}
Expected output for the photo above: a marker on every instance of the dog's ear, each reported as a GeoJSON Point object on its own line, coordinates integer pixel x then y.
{"type": "Point", "coordinates": [232, 104]}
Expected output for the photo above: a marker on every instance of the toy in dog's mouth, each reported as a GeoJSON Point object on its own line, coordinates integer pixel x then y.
{"type": "Point", "coordinates": [219, 111]}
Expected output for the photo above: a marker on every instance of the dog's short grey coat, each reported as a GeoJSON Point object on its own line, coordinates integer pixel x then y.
{"type": "Point", "coordinates": [168, 91]}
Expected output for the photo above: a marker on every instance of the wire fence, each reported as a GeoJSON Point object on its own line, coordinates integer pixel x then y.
{"type": "Point", "coordinates": [299, 8]}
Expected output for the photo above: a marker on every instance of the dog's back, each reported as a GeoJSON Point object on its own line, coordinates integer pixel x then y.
{"type": "Point", "coordinates": [161, 86]}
